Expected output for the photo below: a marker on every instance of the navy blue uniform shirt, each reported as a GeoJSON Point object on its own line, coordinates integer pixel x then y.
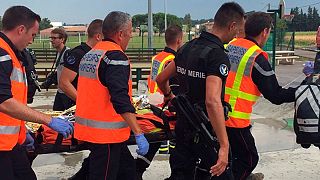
{"type": "Point", "coordinates": [73, 58]}
{"type": "Point", "coordinates": [265, 79]}
{"type": "Point", "coordinates": [115, 78]}
{"type": "Point", "coordinates": [192, 71]}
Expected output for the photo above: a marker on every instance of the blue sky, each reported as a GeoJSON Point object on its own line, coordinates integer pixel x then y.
{"type": "Point", "coordinates": [83, 11]}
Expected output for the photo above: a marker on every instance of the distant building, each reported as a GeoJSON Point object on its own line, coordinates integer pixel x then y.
{"type": "Point", "coordinates": [71, 30]}
{"type": "Point", "coordinates": [56, 24]}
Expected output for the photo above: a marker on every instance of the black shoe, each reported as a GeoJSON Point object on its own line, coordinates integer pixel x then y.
{"type": "Point", "coordinates": [306, 146]}
{"type": "Point", "coordinates": [139, 176]}
{"type": "Point", "coordinates": [256, 176]}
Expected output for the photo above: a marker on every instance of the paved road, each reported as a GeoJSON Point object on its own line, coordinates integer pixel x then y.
{"type": "Point", "coordinates": [304, 53]}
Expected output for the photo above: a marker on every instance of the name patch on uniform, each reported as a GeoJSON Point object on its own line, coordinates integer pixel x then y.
{"type": "Point", "coordinates": [191, 73]}
{"type": "Point", "coordinates": [224, 71]}
{"type": "Point", "coordinates": [88, 64]}
{"type": "Point", "coordinates": [235, 54]}
{"type": "Point", "coordinates": [155, 68]}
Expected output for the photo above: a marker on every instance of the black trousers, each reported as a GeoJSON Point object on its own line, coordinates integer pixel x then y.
{"type": "Point", "coordinates": [143, 162]}
{"type": "Point", "coordinates": [111, 162]}
{"type": "Point", "coordinates": [244, 152]}
{"type": "Point", "coordinates": [184, 158]}
{"type": "Point", "coordinates": [62, 102]}
{"type": "Point", "coordinates": [14, 165]}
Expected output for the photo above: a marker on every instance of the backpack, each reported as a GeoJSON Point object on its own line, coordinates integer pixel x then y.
{"type": "Point", "coordinates": [307, 114]}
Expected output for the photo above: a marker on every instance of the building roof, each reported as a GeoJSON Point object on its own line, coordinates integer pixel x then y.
{"type": "Point", "coordinates": [71, 30]}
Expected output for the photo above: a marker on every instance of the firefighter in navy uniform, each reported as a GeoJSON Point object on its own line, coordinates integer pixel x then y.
{"type": "Point", "coordinates": [173, 38]}
{"type": "Point", "coordinates": [19, 27]}
{"type": "Point", "coordinates": [250, 76]}
{"type": "Point", "coordinates": [104, 114]}
{"type": "Point", "coordinates": [69, 76]}
{"type": "Point", "coordinates": [201, 67]}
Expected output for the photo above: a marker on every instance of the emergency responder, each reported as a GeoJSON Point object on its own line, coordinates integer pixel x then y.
{"type": "Point", "coordinates": [173, 38]}
{"type": "Point", "coordinates": [104, 113]}
{"type": "Point", "coordinates": [202, 68]}
{"type": "Point", "coordinates": [19, 27]}
{"type": "Point", "coordinates": [250, 76]}
{"type": "Point", "coordinates": [58, 39]}
{"type": "Point", "coordinates": [69, 76]}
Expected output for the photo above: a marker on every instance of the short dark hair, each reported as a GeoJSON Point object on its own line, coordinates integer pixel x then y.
{"type": "Point", "coordinates": [62, 33]}
{"type": "Point", "coordinates": [256, 23]}
{"type": "Point", "coordinates": [94, 27]}
{"type": "Point", "coordinates": [227, 13]}
{"type": "Point", "coordinates": [114, 22]}
{"type": "Point", "coordinates": [172, 33]}
{"type": "Point", "coordinates": [19, 15]}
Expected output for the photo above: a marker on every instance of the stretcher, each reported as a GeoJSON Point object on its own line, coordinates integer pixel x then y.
{"type": "Point", "coordinates": [157, 125]}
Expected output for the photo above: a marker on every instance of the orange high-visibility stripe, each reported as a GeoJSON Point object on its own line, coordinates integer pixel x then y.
{"type": "Point", "coordinates": [12, 130]}
{"type": "Point", "coordinates": [96, 119]}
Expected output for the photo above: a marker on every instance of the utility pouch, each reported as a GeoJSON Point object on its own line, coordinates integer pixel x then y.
{"type": "Point", "coordinates": [226, 109]}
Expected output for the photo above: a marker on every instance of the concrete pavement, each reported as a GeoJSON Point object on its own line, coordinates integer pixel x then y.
{"type": "Point", "coordinates": [305, 53]}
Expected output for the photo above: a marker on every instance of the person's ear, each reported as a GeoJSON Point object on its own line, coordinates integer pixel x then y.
{"type": "Point", "coordinates": [266, 32]}
{"type": "Point", "coordinates": [179, 41]}
{"type": "Point", "coordinates": [232, 26]}
{"type": "Point", "coordinates": [99, 37]}
{"type": "Point", "coordinates": [120, 34]}
{"type": "Point", "coordinates": [21, 29]}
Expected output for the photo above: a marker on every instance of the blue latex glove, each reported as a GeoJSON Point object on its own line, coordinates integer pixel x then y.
{"type": "Point", "coordinates": [308, 68]}
{"type": "Point", "coordinates": [29, 142]}
{"type": "Point", "coordinates": [62, 126]}
{"type": "Point", "coordinates": [143, 145]}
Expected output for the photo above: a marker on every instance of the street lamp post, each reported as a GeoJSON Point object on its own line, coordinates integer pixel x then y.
{"type": "Point", "coordinates": [165, 14]}
{"type": "Point", "coordinates": [150, 25]}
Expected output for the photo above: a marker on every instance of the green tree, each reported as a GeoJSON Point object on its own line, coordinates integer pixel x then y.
{"type": "Point", "coordinates": [139, 19]}
{"type": "Point", "coordinates": [187, 21]}
{"type": "Point", "coordinates": [281, 29]}
{"type": "Point", "coordinates": [309, 20]}
{"type": "Point", "coordinates": [158, 21]}
{"type": "Point", "coordinates": [44, 24]}
{"type": "Point", "coordinates": [315, 16]}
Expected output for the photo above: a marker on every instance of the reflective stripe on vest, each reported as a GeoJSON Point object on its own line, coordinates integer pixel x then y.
{"type": "Point", "coordinates": [12, 130]}
{"type": "Point", "coordinates": [18, 76]}
{"type": "Point", "coordinates": [101, 124]}
{"type": "Point", "coordinates": [156, 68]}
{"type": "Point", "coordinates": [9, 129]}
{"type": "Point", "coordinates": [241, 70]}
{"type": "Point", "coordinates": [5, 58]}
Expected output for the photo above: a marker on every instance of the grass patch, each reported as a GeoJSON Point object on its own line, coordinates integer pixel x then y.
{"type": "Point", "coordinates": [135, 42]}
{"type": "Point", "coordinates": [302, 39]}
